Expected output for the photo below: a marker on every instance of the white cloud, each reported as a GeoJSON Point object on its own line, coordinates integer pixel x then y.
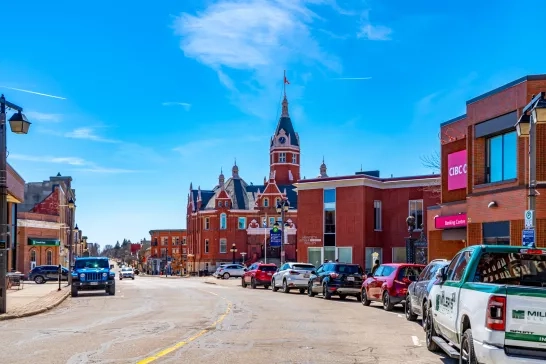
{"type": "Point", "coordinates": [73, 161]}
{"type": "Point", "coordinates": [375, 32]}
{"type": "Point", "coordinates": [88, 134]}
{"type": "Point", "coordinates": [353, 78]}
{"type": "Point", "coordinates": [45, 117]}
{"type": "Point", "coordinates": [185, 105]}
{"type": "Point", "coordinates": [256, 39]}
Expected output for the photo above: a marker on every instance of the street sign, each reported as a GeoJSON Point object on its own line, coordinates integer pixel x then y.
{"type": "Point", "coordinates": [529, 218]}
{"type": "Point", "coordinates": [528, 238]}
{"type": "Point", "coordinates": [275, 237]}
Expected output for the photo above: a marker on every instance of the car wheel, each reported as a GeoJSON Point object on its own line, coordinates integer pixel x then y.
{"type": "Point", "coordinates": [364, 298]}
{"type": "Point", "coordinates": [39, 280]}
{"type": "Point", "coordinates": [266, 286]}
{"type": "Point", "coordinates": [342, 296]}
{"type": "Point", "coordinates": [112, 290]}
{"type": "Point", "coordinates": [310, 292]}
{"type": "Point", "coordinates": [302, 290]}
{"type": "Point", "coordinates": [468, 355]}
{"type": "Point", "coordinates": [285, 287]}
{"type": "Point", "coordinates": [358, 297]}
{"type": "Point", "coordinates": [133, 278]}
{"type": "Point", "coordinates": [326, 294]}
{"type": "Point", "coordinates": [243, 283]}
{"type": "Point", "coordinates": [387, 305]}
{"type": "Point", "coordinates": [274, 288]}
{"type": "Point", "coordinates": [253, 283]}
{"type": "Point", "coordinates": [424, 315]}
{"type": "Point", "coordinates": [410, 316]}
{"type": "Point", "coordinates": [430, 332]}
{"type": "Point", "coordinates": [74, 291]}
{"type": "Point", "coordinates": [226, 276]}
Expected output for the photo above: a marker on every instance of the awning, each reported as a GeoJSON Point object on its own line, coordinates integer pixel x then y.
{"type": "Point", "coordinates": [44, 242]}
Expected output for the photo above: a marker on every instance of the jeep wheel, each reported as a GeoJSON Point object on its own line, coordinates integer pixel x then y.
{"type": "Point", "coordinates": [112, 290]}
{"type": "Point", "coordinates": [74, 291]}
{"type": "Point", "coordinates": [39, 280]}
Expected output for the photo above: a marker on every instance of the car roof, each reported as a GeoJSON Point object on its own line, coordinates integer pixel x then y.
{"type": "Point", "coordinates": [267, 264]}
{"type": "Point", "coordinates": [404, 265]}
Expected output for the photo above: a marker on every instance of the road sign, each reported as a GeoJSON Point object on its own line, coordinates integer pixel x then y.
{"type": "Point", "coordinates": [528, 238]}
{"type": "Point", "coordinates": [529, 218]}
{"type": "Point", "coordinates": [275, 237]}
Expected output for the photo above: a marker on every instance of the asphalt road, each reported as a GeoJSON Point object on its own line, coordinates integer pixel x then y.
{"type": "Point", "coordinates": [153, 320]}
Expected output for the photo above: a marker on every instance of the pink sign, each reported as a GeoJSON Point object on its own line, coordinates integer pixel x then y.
{"type": "Point", "coordinates": [456, 170]}
{"type": "Point", "coordinates": [450, 222]}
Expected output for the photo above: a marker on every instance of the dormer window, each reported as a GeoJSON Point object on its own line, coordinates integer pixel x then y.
{"type": "Point", "coordinates": [277, 201]}
{"type": "Point", "coordinates": [219, 203]}
{"type": "Point", "coordinates": [266, 202]}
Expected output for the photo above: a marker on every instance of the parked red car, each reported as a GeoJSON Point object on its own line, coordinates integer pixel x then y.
{"type": "Point", "coordinates": [389, 284]}
{"type": "Point", "coordinates": [258, 274]}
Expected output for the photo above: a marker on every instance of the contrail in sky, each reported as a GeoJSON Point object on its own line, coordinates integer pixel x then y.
{"type": "Point", "coordinates": [353, 78]}
{"type": "Point", "coordinates": [35, 93]}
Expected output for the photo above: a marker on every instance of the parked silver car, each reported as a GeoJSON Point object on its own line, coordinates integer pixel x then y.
{"type": "Point", "coordinates": [230, 270]}
{"type": "Point", "coordinates": [292, 276]}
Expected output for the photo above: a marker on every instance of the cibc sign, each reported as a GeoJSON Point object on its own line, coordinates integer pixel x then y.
{"type": "Point", "coordinates": [456, 170]}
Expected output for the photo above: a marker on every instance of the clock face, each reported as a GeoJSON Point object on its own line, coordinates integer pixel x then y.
{"type": "Point", "coordinates": [282, 140]}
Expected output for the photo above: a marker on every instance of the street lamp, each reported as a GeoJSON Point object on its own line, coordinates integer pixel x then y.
{"type": "Point", "coordinates": [233, 250]}
{"type": "Point", "coordinates": [532, 114]}
{"type": "Point", "coordinates": [282, 208]}
{"type": "Point", "coordinates": [71, 207]}
{"type": "Point", "coordinates": [19, 125]}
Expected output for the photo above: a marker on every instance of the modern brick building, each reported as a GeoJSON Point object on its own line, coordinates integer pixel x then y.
{"type": "Point", "coordinates": [352, 217]}
{"type": "Point", "coordinates": [238, 214]}
{"type": "Point", "coordinates": [168, 248]}
{"type": "Point", "coordinates": [485, 173]}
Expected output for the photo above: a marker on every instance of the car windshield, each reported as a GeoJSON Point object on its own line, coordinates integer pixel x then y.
{"type": "Point", "coordinates": [509, 268]}
{"type": "Point", "coordinates": [126, 269]}
{"type": "Point", "coordinates": [91, 263]}
{"type": "Point", "coordinates": [267, 268]}
{"type": "Point", "coordinates": [308, 267]}
{"type": "Point", "coordinates": [347, 268]}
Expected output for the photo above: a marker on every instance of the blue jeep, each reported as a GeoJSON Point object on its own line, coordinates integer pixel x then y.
{"type": "Point", "coordinates": [93, 273]}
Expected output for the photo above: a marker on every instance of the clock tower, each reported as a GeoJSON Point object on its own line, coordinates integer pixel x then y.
{"type": "Point", "coordinates": [284, 152]}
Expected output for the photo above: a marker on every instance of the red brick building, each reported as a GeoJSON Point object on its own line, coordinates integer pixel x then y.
{"type": "Point", "coordinates": [485, 173]}
{"type": "Point", "coordinates": [168, 246]}
{"type": "Point", "coordinates": [16, 196]}
{"type": "Point", "coordinates": [352, 217]}
{"type": "Point", "coordinates": [240, 214]}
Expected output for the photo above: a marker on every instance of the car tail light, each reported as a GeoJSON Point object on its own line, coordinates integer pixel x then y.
{"type": "Point", "coordinates": [294, 272]}
{"type": "Point", "coordinates": [496, 313]}
{"type": "Point", "coordinates": [334, 275]}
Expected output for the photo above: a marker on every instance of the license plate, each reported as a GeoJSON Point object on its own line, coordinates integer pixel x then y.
{"type": "Point", "coordinates": [306, 275]}
{"type": "Point", "coordinates": [351, 279]}
{"type": "Point", "coordinates": [269, 274]}
{"type": "Point", "coordinates": [94, 283]}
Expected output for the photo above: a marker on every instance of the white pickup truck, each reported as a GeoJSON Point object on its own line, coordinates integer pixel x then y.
{"type": "Point", "coordinates": [489, 306]}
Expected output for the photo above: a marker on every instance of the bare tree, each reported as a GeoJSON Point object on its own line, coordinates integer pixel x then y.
{"type": "Point", "coordinates": [432, 161]}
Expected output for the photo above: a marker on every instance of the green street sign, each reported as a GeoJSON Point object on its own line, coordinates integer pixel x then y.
{"type": "Point", "coordinates": [44, 242]}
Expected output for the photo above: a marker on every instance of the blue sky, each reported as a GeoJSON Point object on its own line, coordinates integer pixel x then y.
{"type": "Point", "coordinates": [161, 94]}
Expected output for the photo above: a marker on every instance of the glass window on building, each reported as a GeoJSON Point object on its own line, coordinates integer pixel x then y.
{"type": "Point", "coordinates": [206, 245]}
{"type": "Point", "coordinates": [223, 221]}
{"type": "Point", "coordinates": [282, 157]}
{"type": "Point", "coordinates": [314, 256]}
{"type": "Point", "coordinates": [377, 215]}
{"type": "Point", "coordinates": [295, 158]}
{"type": "Point", "coordinates": [501, 152]}
{"type": "Point", "coordinates": [223, 246]}
{"type": "Point", "coordinates": [345, 255]}
{"type": "Point", "coordinates": [330, 253]}
{"type": "Point", "coordinates": [399, 255]}
{"type": "Point", "coordinates": [416, 210]}
{"type": "Point", "coordinates": [207, 223]}
{"type": "Point", "coordinates": [370, 259]}
{"type": "Point", "coordinates": [241, 223]}
{"type": "Point", "coordinates": [330, 198]}
{"type": "Point", "coordinates": [329, 221]}
{"type": "Point", "coordinates": [49, 257]}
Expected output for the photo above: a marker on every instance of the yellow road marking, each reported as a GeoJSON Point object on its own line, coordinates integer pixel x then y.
{"type": "Point", "coordinates": [180, 344]}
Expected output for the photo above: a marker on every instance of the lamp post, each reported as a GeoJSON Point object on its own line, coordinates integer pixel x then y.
{"type": "Point", "coordinates": [71, 208]}
{"type": "Point", "coordinates": [233, 250]}
{"type": "Point", "coordinates": [18, 125]}
{"type": "Point", "coordinates": [282, 208]}
{"type": "Point", "coordinates": [532, 114]}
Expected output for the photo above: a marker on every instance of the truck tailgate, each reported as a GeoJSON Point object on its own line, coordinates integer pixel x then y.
{"type": "Point", "coordinates": [526, 317]}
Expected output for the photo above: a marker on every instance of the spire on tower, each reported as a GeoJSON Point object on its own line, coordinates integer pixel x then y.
{"type": "Point", "coordinates": [235, 171]}
{"type": "Point", "coordinates": [221, 178]}
{"type": "Point", "coordinates": [323, 169]}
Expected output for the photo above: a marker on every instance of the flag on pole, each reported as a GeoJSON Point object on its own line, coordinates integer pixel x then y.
{"type": "Point", "coordinates": [286, 82]}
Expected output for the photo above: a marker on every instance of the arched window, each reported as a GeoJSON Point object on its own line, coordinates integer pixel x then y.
{"type": "Point", "coordinates": [33, 255]}
{"type": "Point", "coordinates": [49, 257]}
{"type": "Point", "coordinates": [266, 202]}
{"type": "Point", "coordinates": [223, 222]}
{"type": "Point", "coordinates": [277, 201]}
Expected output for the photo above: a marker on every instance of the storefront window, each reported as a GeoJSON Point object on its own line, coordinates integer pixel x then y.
{"type": "Point", "coordinates": [502, 157]}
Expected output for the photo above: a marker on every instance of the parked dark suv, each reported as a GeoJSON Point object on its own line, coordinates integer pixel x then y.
{"type": "Point", "coordinates": [44, 273]}
{"type": "Point", "coordinates": [339, 279]}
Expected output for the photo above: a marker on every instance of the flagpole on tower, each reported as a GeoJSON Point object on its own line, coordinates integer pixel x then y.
{"type": "Point", "coordinates": [284, 83]}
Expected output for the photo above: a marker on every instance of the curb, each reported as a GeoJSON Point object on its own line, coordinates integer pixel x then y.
{"type": "Point", "coordinates": [35, 312]}
{"type": "Point", "coordinates": [206, 282]}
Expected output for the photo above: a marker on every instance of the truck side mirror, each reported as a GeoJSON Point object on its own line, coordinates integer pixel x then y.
{"type": "Point", "coordinates": [440, 276]}
{"type": "Point", "coordinates": [111, 266]}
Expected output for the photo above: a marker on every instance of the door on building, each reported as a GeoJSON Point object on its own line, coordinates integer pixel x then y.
{"type": "Point", "coordinates": [345, 255]}
{"type": "Point", "coordinates": [32, 259]}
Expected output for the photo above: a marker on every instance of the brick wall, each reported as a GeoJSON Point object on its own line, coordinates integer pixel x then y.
{"type": "Point", "coordinates": [310, 209]}
{"type": "Point", "coordinates": [442, 249]}
{"type": "Point", "coordinates": [474, 234]}
{"type": "Point", "coordinates": [50, 205]}
{"type": "Point", "coordinates": [24, 250]}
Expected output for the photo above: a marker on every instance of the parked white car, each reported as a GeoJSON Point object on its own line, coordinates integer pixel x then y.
{"type": "Point", "coordinates": [292, 276]}
{"type": "Point", "coordinates": [230, 270]}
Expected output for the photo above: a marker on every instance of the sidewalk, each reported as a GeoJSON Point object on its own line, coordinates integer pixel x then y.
{"type": "Point", "coordinates": [34, 299]}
